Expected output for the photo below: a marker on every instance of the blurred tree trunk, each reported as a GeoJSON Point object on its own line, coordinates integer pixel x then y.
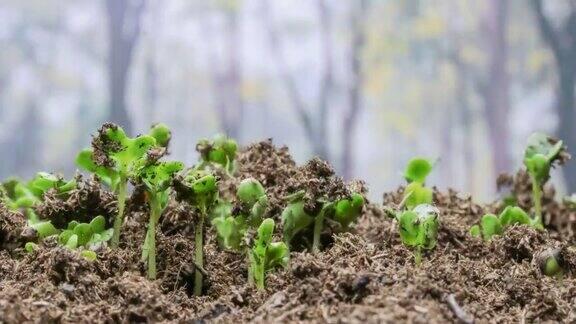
{"type": "Point", "coordinates": [313, 127]}
{"type": "Point", "coordinates": [151, 65]}
{"type": "Point", "coordinates": [227, 75]}
{"type": "Point", "coordinates": [124, 22]}
{"type": "Point", "coordinates": [233, 75]}
{"type": "Point", "coordinates": [355, 86]}
{"type": "Point", "coordinates": [562, 42]}
{"type": "Point", "coordinates": [496, 90]}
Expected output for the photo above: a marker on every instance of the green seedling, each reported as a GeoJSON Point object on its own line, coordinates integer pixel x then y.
{"type": "Point", "coordinates": [541, 153]}
{"type": "Point", "coordinates": [419, 228]}
{"type": "Point", "coordinates": [30, 247]}
{"type": "Point", "coordinates": [550, 262]}
{"type": "Point", "coordinates": [253, 201]}
{"type": "Point", "coordinates": [221, 151]}
{"type": "Point", "coordinates": [89, 235]}
{"type": "Point", "coordinates": [43, 182]}
{"type": "Point", "coordinates": [200, 189]}
{"type": "Point", "coordinates": [156, 177]}
{"type": "Point", "coordinates": [21, 196]}
{"type": "Point", "coordinates": [416, 173]}
{"type": "Point", "coordinates": [491, 225]}
{"type": "Point", "coordinates": [295, 217]}
{"type": "Point", "coordinates": [266, 255]}
{"type": "Point", "coordinates": [89, 255]}
{"type": "Point", "coordinates": [114, 158]}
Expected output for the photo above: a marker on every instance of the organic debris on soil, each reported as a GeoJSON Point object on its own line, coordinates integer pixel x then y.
{"type": "Point", "coordinates": [366, 275]}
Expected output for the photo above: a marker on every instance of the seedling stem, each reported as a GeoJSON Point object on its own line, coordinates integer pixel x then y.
{"type": "Point", "coordinates": [120, 216]}
{"type": "Point", "coordinates": [199, 256]}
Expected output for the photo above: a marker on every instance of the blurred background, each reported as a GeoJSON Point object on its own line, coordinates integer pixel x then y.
{"type": "Point", "coordinates": [366, 84]}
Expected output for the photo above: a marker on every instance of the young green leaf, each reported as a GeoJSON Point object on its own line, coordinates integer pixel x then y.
{"type": "Point", "coordinates": [89, 255]}
{"type": "Point", "coordinates": [416, 194]}
{"type": "Point", "coordinates": [250, 191]}
{"type": "Point", "coordinates": [294, 220]}
{"type": "Point", "coordinates": [266, 255]}
{"type": "Point", "coordinates": [161, 134]}
{"type": "Point", "coordinates": [418, 170]}
{"type": "Point", "coordinates": [347, 211]}
{"type": "Point", "coordinates": [541, 152]}
{"type": "Point", "coordinates": [221, 150]}
{"type": "Point", "coordinates": [419, 229]}
{"type": "Point", "coordinates": [490, 226]}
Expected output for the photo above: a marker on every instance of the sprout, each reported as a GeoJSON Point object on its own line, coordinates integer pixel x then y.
{"type": "Point", "coordinates": [30, 247]}
{"type": "Point", "coordinates": [232, 228]}
{"type": "Point", "coordinates": [156, 177]}
{"type": "Point", "coordinates": [90, 235]}
{"type": "Point", "coordinates": [266, 255]}
{"type": "Point", "coordinates": [542, 151]}
{"type": "Point", "coordinates": [415, 192]}
{"type": "Point", "coordinates": [295, 217]}
{"type": "Point", "coordinates": [221, 151]}
{"type": "Point", "coordinates": [551, 262]}
{"type": "Point", "coordinates": [419, 228]}
{"type": "Point", "coordinates": [89, 255]}
{"type": "Point", "coordinates": [200, 189]}
{"type": "Point", "coordinates": [491, 225]}
{"type": "Point", "coordinates": [114, 157]}
{"type": "Point", "coordinates": [23, 196]}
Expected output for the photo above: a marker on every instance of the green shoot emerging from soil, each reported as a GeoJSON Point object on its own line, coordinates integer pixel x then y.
{"type": "Point", "coordinates": [113, 159]}
{"type": "Point", "coordinates": [83, 236]}
{"type": "Point", "coordinates": [156, 177]}
{"type": "Point", "coordinates": [265, 254]}
{"type": "Point", "coordinates": [550, 262]}
{"type": "Point", "coordinates": [491, 225]}
{"type": "Point", "coordinates": [419, 228]}
{"type": "Point", "coordinates": [253, 201]}
{"type": "Point", "coordinates": [200, 189]}
{"type": "Point", "coordinates": [416, 173]}
{"type": "Point", "coordinates": [542, 151]}
{"type": "Point", "coordinates": [221, 151]}
{"type": "Point", "coordinates": [296, 218]}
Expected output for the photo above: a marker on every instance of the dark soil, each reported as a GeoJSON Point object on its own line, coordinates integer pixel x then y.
{"type": "Point", "coordinates": [363, 276]}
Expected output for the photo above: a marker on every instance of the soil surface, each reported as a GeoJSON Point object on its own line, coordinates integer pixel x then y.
{"type": "Point", "coordinates": [366, 275]}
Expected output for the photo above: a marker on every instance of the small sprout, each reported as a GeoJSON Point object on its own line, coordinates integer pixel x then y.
{"type": "Point", "coordinates": [416, 173]}
{"type": "Point", "coordinates": [541, 153]}
{"type": "Point", "coordinates": [266, 255]}
{"type": "Point", "coordinates": [43, 182]}
{"type": "Point", "coordinates": [30, 247]}
{"type": "Point", "coordinates": [44, 229]}
{"type": "Point", "coordinates": [419, 229]}
{"type": "Point", "coordinates": [550, 262]}
{"type": "Point", "coordinates": [90, 235]}
{"type": "Point", "coordinates": [296, 219]}
{"type": "Point", "coordinates": [491, 225]}
{"type": "Point", "coordinates": [198, 188]}
{"type": "Point", "coordinates": [161, 134]}
{"type": "Point", "coordinates": [348, 210]}
{"type": "Point", "coordinates": [89, 255]}
{"type": "Point", "coordinates": [114, 159]}
{"type": "Point", "coordinates": [156, 177]}
{"type": "Point", "coordinates": [221, 151]}
{"type": "Point", "coordinates": [417, 170]}
{"type": "Point", "coordinates": [232, 228]}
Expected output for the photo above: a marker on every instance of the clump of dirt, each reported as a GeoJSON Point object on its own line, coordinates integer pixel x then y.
{"type": "Point", "coordinates": [85, 202]}
{"type": "Point", "coordinates": [366, 275]}
{"type": "Point", "coordinates": [11, 226]}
